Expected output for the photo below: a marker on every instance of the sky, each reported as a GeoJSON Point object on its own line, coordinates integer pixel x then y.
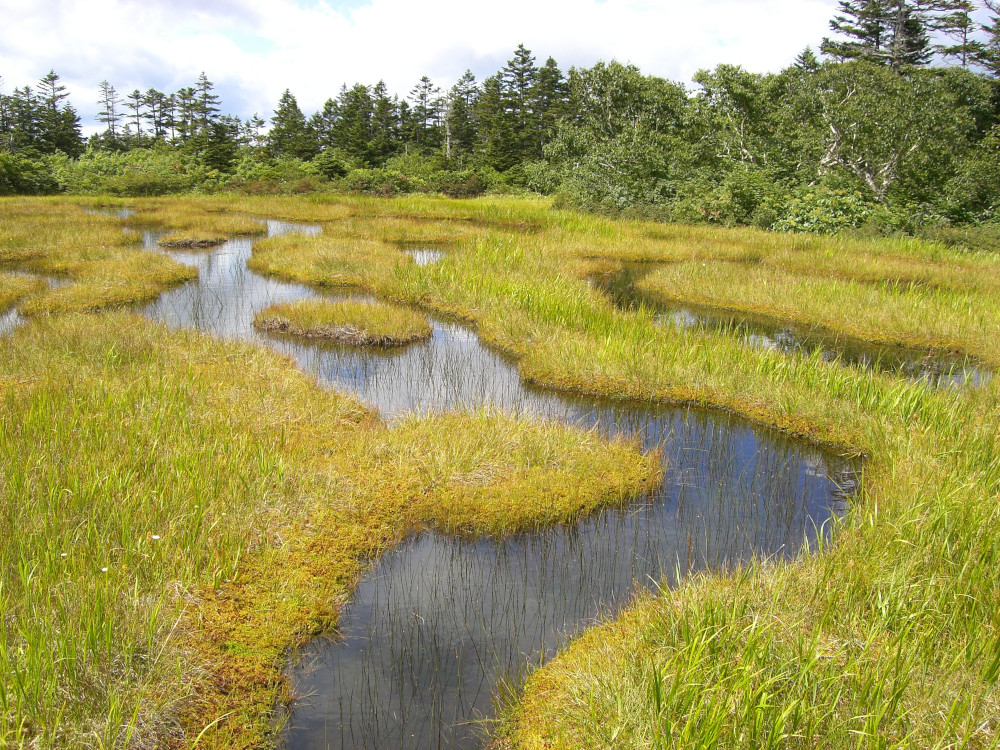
{"type": "Point", "coordinates": [254, 49]}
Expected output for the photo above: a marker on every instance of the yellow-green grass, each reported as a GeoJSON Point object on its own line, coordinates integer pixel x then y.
{"type": "Point", "coordinates": [346, 321]}
{"type": "Point", "coordinates": [103, 264]}
{"type": "Point", "coordinates": [177, 512]}
{"type": "Point", "coordinates": [889, 637]}
{"type": "Point", "coordinates": [14, 288]}
{"type": "Point", "coordinates": [913, 315]}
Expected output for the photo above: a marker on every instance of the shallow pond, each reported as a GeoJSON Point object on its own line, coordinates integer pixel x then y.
{"type": "Point", "coordinates": [935, 368]}
{"type": "Point", "coordinates": [438, 624]}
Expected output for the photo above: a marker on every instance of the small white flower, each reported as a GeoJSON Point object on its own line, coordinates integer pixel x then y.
{"type": "Point", "coordinates": [63, 555]}
{"type": "Point", "coordinates": [104, 570]}
{"type": "Point", "coordinates": [156, 537]}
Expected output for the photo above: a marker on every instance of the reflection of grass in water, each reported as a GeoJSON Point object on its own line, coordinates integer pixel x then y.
{"type": "Point", "coordinates": [911, 315]}
{"type": "Point", "coordinates": [346, 321]}
{"type": "Point", "coordinates": [174, 511]}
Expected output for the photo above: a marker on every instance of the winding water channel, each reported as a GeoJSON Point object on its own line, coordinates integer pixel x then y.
{"type": "Point", "coordinates": [438, 625]}
{"type": "Point", "coordinates": [934, 368]}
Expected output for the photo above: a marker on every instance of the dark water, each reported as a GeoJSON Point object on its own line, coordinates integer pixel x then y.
{"type": "Point", "coordinates": [935, 368]}
{"type": "Point", "coordinates": [438, 624]}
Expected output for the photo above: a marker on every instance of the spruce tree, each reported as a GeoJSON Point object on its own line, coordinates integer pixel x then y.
{"type": "Point", "coordinates": [460, 120]}
{"type": "Point", "coordinates": [290, 134]}
{"type": "Point", "coordinates": [889, 32]}
{"type": "Point", "coordinates": [426, 113]}
{"type": "Point", "coordinates": [384, 125]}
{"type": "Point", "coordinates": [206, 106]}
{"type": "Point", "coordinates": [551, 99]}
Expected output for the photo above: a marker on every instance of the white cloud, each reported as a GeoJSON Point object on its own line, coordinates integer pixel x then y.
{"type": "Point", "coordinates": [254, 49]}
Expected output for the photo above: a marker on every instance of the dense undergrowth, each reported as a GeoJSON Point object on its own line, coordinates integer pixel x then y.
{"type": "Point", "coordinates": [887, 637]}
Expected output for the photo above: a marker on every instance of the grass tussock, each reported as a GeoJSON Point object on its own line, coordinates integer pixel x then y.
{"type": "Point", "coordinates": [15, 287]}
{"type": "Point", "coordinates": [346, 321]}
{"type": "Point", "coordinates": [177, 512]}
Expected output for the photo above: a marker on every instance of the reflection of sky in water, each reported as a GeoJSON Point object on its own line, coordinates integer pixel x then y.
{"type": "Point", "coordinates": [937, 369]}
{"type": "Point", "coordinates": [438, 622]}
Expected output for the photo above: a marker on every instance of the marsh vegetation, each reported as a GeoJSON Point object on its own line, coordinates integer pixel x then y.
{"type": "Point", "coordinates": [669, 518]}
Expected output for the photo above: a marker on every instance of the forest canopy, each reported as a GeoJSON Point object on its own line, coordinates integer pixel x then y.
{"type": "Point", "coordinates": [893, 125]}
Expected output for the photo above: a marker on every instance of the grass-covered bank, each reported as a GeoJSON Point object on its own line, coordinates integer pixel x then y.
{"type": "Point", "coordinates": [887, 636]}
{"type": "Point", "coordinates": [346, 321]}
{"type": "Point", "coordinates": [178, 511]}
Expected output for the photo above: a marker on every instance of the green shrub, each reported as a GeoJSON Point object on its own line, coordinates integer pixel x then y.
{"type": "Point", "coordinates": [824, 211]}
{"type": "Point", "coordinates": [22, 175]}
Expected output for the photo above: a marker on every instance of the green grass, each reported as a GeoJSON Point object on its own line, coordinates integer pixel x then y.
{"type": "Point", "coordinates": [176, 512]}
{"type": "Point", "coordinates": [887, 637]}
{"type": "Point", "coordinates": [346, 321]}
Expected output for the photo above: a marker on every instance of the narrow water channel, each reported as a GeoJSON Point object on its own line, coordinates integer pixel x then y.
{"type": "Point", "coordinates": [935, 368]}
{"type": "Point", "coordinates": [438, 625]}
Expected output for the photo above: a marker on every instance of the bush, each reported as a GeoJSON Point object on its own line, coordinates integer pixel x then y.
{"type": "Point", "coordinates": [139, 172]}
{"type": "Point", "coordinates": [825, 211]}
{"type": "Point", "coordinates": [22, 175]}
{"type": "Point", "coordinates": [465, 184]}
{"type": "Point", "coordinates": [379, 182]}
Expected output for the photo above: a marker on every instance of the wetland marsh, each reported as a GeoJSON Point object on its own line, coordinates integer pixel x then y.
{"type": "Point", "coordinates": [448, 515]}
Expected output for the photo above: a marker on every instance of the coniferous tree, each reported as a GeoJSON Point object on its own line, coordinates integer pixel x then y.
{"type": "Point", "coordinates": [807, 61]}
{"type": "Point", "coordinates": [989, 56]}
{"type": "Point", "coordinates": [551, 98]}
{"type": "Point", "coordinates": [251, 131]}
{"type": "Point", "coordinates": [497, 144]}
{"type": "Point", "coordinates": [460, 118]}
{"type": "Point", "coordinates": [60, 125]}
{"type": "Point", "coordinates": [384, 125]}
{"type": "Point", "coordinates": [353, 133]}
{"type": "Point", "coordinates": [519, 78]}
{"type": "Point", "coordinates": [110, 112]}
{"type": "Point", "coordinates": [290, 134]}
{"type": "Point", "coordinates": [890, 32]}
{"type": "Point", "coordinates": [134, 102]}
{"type": "Point", "coordinates": [155, 112]}
{"type": "Point", "coordinates": [206, 108]}
{"type": "Point", "coordinates": [957, 24]}
{"type": "Point", "coordinates": [425, 132]}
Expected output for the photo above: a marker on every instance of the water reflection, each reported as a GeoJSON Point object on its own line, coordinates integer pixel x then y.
{"type": "Point", "coordinates": [438, 622]}
{"type": "Point", "coordinates": [937, 369]}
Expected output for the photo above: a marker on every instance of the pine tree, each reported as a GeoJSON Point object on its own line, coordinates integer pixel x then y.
{"type": "Point", "coordinates": [866, 26]}
{"type": "Point", "coordinates": [353, 133]}
{"type": "Point", "coordinates": [497, 142]}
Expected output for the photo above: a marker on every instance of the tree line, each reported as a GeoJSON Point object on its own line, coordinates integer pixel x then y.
{"type": "Point", "coordinates": [867, 130]}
